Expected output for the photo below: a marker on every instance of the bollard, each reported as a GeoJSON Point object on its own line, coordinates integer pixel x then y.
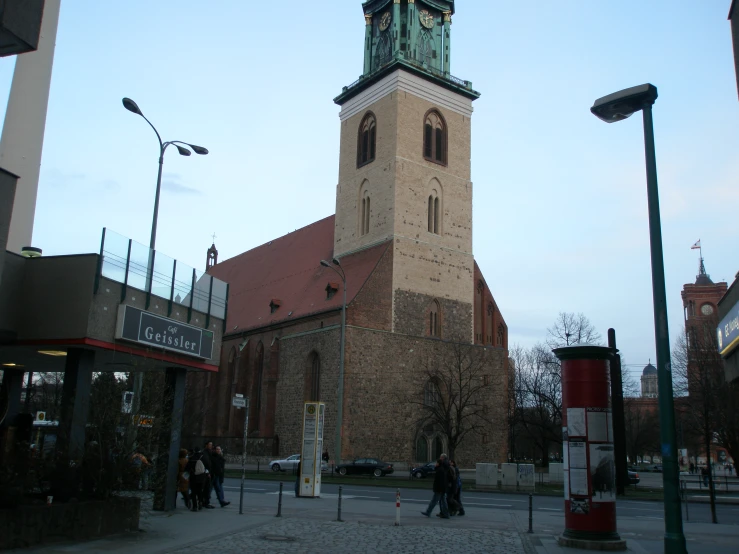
{"type": "Point", "coordinates": [339, 518]}
{"type": "Point", "coordinates": [397, 508]}
{"type": "Point", "coordinates": [685, 499]}
{"type": "Point", "coordinates": [531, 513]}
{"type": "Point", "coordinates": [279, 502]}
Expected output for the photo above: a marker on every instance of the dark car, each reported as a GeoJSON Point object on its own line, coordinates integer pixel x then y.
{"type": "Point", "coordinates": [365, 466]}
{"type": "Point", "coordinates": [633, 478]}
{"type": "Point", "coordinates": [424, 470]}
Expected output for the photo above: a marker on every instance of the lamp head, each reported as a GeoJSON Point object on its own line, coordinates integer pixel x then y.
{"type": "Point", "coordinates": [182, 150]}
{"type": "Point", "coordinates": [324, 263]}
{"type": "Point", "coordinates": [336, 262]}
{"type": "Point", "coordinates": [198, 149]}
{"type": "Point", "coordinates": [131, 106]}
{"type": "Point", "coordinates": [620, 105]}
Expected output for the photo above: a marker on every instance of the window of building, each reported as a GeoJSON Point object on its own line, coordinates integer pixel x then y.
{"type": "Point", "coordinates": [331, 289]}
{"type": "Point", "coordinates": [366, 211]}
{"type": "Point", "coordinates": [434, 214]}
{"type": "Point", "coordinates": [501, 335]}
{"type": "Point", "coordinates": [366, 142]}
{"type": "Point", "coordinates": [257, 392]}
{"type": "Point", "coordinates": [312, 390]}
{"type": "Point", "coordinates": [434, 325]}
{"type": "Point", "coordinates": [489, 324]}
{"type": "Point", "coordinates": [431, 397]}
{"type": "Point", "coordinates": [438, 448]}
{"type": "Point", "coordinates": [435, 138]}
{"type": "Point", "coordinates": [422, 449]}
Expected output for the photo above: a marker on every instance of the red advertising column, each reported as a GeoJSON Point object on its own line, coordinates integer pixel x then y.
{"type": "Point", "coordinates": [587, 448]}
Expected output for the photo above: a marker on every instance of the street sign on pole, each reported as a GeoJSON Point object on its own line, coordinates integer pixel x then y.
{"type": "Point", "coordinates": [238, 402]}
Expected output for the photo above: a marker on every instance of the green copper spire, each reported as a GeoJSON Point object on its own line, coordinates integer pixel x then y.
{"type": "Point", "coordinates": [414, 34]}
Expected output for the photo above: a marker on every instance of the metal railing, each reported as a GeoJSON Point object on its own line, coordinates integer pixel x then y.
{"type": "Point", "coordinates": [134, 265]}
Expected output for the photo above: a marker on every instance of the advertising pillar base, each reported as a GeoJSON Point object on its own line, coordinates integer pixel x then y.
{"type": "Point", "coordinates": [604, 545]}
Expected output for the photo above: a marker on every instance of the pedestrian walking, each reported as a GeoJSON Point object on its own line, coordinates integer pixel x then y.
{"type": "Point", "coordinates": [208, 481]}
{"type": "Point", "coordinates": [440, 486]}
{"type": "Point", "coordinates": [196, 471]}
{"type": "Point", "coordinates": [218, 473]}
{"type": "Point", "coordinates": [458, 489]}
{"type": "Point", "coordinates": [183, 481]}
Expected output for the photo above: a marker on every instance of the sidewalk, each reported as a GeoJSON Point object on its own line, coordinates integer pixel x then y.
{"type": "Point", "coordinates": [309, 525]}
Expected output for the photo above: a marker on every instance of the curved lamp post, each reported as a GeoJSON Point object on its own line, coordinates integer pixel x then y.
{"type": "Point", "coordinates": [340, 393]}
{"type": "Point", "coordinates": [616, 107]}
{"type": "Point", "coordinates": [131, 106]}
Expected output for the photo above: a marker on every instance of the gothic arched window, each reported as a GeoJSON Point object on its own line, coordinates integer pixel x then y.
{"type": "Point", "coordinates": [434, 213]}
{"type": "Point", "coordinates": [384, 51]}
{"type": "Point", "coordinates": [422, 449]}
{"type": "Point", "coordinates": [435, 138]}
{"type": "Point", "coordinates": [434, 319]}
{"type": "Point", "coordinates": [365, 213]}
{"type": "Point", "coordinates": [256, 406]}
{"type": "Point", "coordinates": [312, 389]}
{"type": "Point", "coordinates": [366, 141]}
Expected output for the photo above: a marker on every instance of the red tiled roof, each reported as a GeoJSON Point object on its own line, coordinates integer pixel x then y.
{"type": "Point", "coordinates": [289, 269]}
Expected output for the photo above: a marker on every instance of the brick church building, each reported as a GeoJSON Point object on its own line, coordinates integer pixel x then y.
{"type": "Point", "coordinates": [400, 242]}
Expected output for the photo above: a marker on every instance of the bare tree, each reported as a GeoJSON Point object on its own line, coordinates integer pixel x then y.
{"type": "Point", "coordinates": [570, 329]}
{"type": "Point", "coordinates": [697, 364]}
{"type": "Point", "coordinates": [457, 385]}
{"type": "Point", "coordinates": [539, 398]}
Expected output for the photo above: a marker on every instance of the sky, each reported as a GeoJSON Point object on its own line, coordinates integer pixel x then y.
{"type": "Point", "coordinates": [560, 208]}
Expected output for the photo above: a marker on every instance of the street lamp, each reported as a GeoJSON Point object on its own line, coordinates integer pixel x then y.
{"type": "Point", "coordinates": [612, 108]}
{"type": "Point", "coordinates": [131, 106]}
{"type": "Point", "coordinates": [340, 393]}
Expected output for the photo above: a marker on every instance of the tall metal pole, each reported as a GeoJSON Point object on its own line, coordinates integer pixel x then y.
{"type": "Point", "coordinates": [674, 537]}
{"type": "Point", "coordinates": [243, 459]}
{"type": "Point", "coordinates": [617, 413]}
{"type": "Point", "coordinates": [153, 240]}
{"type": "Point", "coordinates": [340, 408]}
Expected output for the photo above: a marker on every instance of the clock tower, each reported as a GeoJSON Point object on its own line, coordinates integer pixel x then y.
{"type": "Point", "coordinates": [404, 167]}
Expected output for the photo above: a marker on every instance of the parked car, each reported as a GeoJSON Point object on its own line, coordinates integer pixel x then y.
{"type": "Point", "coordinates": [365, 466]}
{"type": "Point", "coordinates": [424, 470]}
{"type": "Point", "coordinates": [290, 463]}
{"type": "Point", "coordinates": [657, 468]}
{"type": "Point", "coordinates": [633, 478]}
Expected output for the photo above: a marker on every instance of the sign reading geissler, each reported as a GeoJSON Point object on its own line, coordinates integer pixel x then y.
{"type": "Point", "coordinates": [146, 328]}
{"type": "Point", "coordinates": [589, 468]}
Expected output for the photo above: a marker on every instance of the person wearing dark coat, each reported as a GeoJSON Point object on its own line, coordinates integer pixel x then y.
{"type": "Point", "coordinates": [208, 463]}
{"type": "Point", "coordinates": [440, 488]}
{"type": "Point", "coordinates": [219, 472]}
{"type": "Point", "coordinates": [197, 480]}
{"type": "Point", "coordinates": [457, 489]}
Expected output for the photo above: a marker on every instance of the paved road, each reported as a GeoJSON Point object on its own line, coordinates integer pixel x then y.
{"type": "Point", "coordinates": [645, 510]}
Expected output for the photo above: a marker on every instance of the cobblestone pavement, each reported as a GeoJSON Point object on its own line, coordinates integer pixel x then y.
{"type": "Point", "coordinates": [303, 535]}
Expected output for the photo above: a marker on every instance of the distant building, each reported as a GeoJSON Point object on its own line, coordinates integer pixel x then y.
{"type": "Point", "coordinates": [649, 382]}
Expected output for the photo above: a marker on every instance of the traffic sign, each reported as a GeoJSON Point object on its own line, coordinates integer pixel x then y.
{"type": "Point", "coordinates": [239, 401]}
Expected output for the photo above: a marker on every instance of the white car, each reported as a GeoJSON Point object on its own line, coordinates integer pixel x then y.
{"type": "Point", "coordinates": [290, 463]}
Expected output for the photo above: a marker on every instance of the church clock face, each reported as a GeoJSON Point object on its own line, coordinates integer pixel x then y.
{"type": "Point", "coordinates": [706, 309]}
{"type": "Point", "coordinates": [385, 21]}
{"type": "Point", "coordinates": [427, 20]}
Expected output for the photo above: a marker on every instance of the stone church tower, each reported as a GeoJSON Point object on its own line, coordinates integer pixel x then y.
{"type": "Point", "coordinates": [404, 171]}
{"type": "Point", "coordinates": [400, 244]}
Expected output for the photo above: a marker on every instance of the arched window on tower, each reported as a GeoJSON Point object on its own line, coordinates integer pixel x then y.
{"type": "Point", "coordinates": [434, 325]}
{"type": "Point", "coordinates": [435, 138]}
{"type": "Point", "coordinates": [367, 139]}
{"type": "Point", "coordinates": [312, 387]}
{"type": "Point", "coordinates": [434, 213]}
{"type": "Point", "coordinates": [365, 213]}
{"type": "Point", "coordinates": [422, 449]}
